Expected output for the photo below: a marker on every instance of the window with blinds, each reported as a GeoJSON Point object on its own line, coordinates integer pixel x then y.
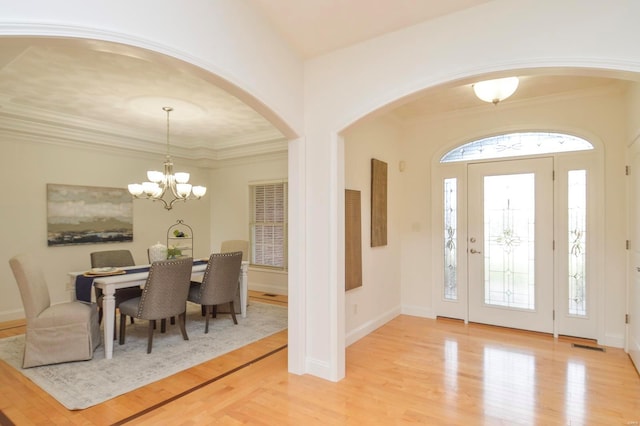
{"type": "Point", "coordinates": [269, 225]}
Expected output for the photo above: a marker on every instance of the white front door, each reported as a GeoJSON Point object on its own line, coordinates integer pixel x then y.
{"type": "Point", "coordinates": [510, 243]}
{"type": "Point", "coordinates": [633, 331]}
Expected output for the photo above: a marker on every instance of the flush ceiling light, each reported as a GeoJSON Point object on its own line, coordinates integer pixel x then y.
{"type": "Point", "coordinates": [159, 182]}
{"type": "Point", "coordinates": [496, 90]}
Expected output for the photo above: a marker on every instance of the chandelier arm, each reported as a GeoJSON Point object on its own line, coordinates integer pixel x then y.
{"type": "Point", "coordinates": [164, 189]}
{"type": "Point", "coordinates": [174, 192]}
{"type": "Point", "coordinates": [172, 187]}
{"type": "Point", "coordinates": [171, 182]}
{"type": "Point", "coordinates": [173, 202]}
{"type": "Point", "coordinates": [166, 206]}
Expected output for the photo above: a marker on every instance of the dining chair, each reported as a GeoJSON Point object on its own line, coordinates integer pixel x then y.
{"type": "Point", "coordinates": [55, 333]}
{"type": "Point", "coordinates": [229, 246]}
{"type": "Point", "coordinates": [116, 259]}
{"type": "Point", "coordinates": [164, 295]}
{"type": "Point", "coordinates": [154, 253]}
{"type": "Point", "coordinates": [219, 284]}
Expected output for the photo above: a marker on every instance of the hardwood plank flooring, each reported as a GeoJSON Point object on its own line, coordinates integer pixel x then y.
{"type": "Point", "coordinates": [410, 371]}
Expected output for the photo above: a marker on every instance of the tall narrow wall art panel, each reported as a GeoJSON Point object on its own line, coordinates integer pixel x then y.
{"type": "Point", "coordinates": [353, 240]}
{"type": "Point", "coordinates": [378, 203]}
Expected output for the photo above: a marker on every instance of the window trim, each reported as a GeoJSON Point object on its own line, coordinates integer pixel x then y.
{"type": "Point", "coordinates": [252, 223]}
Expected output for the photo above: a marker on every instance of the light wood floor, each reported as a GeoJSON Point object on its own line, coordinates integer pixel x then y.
{"type": "Point", "coordinates": [410, 371]}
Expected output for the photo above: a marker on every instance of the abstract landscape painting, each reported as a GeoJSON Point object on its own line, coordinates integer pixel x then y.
{"type": "Point", "coordinates": [88, 215]}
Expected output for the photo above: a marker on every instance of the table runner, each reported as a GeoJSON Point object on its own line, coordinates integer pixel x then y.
{"type": "Point", "coordinates": [84, 284]}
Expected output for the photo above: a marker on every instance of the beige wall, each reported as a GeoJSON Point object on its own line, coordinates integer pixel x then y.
{"type": "Point", "coordinates": [230, 211]}
{"type": "Point", "coordinates": [378, 300]}
{"type": "Point", "coordinates": [633, 112]}
{"type": "Point", "coordinates": [598, 116]}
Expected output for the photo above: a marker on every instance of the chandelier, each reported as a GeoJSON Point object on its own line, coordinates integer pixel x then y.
{"type": "Point", "coordinates": [497, 90]}
{"type": "Point", "coordinates": [159, 182]}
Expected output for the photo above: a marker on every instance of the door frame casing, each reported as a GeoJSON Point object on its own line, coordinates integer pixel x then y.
{"type": "Point", "coordinates": [594, 162]}
{"type": "Point", "coordinates": [632, 331]}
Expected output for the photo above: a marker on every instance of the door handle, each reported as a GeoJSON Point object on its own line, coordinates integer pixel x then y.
{"type": "Point", "coordinates": [474, 251]}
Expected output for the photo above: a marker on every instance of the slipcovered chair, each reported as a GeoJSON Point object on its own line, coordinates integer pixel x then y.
{"type": "Point", "coordinates": [116, 259]}
{"type": "Point", "coordinates": [229, 246]}
{"type": "Point", "coordinates": [219, 284]}
{"type": "Point", "coordinates": [164, 295]}
{"type": "Point", "coordinates": [55, 333]}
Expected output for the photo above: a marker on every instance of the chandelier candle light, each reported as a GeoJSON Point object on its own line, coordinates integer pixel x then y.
{"type": "Point", "coordinates": [159, 182]}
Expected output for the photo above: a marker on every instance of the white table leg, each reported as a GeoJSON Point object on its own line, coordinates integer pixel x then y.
{"type": "Point", "coordinates": [244, 290]}
{"type": "Point", "coordinates": [108, 309]}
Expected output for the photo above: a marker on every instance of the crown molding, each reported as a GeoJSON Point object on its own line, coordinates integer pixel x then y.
{"type": "Point", "coordinates": [63, 129]}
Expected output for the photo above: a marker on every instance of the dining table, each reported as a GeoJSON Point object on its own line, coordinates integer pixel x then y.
{"type": "Point", "coordinates": [136, 276]}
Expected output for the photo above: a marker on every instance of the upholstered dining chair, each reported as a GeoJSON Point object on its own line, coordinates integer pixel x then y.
{"type": "Point", "coordinates": [164, 295]}
{"type": "Point", "coordinates": [219, 284]}
{"type": "Point", "coordinates": [229, 246]}
{"type": "Point", "coordinates": [55, 333]}
{"type": "Point", "coordinates": [116, 259]}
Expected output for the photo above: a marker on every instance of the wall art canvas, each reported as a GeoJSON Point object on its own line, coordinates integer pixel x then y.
{"type": "Point", "coordinates": [88, 215]}
{"type": "Point", "coordinates": [353, 239]}
{"type": "Point", "coordinates": [378, 203]}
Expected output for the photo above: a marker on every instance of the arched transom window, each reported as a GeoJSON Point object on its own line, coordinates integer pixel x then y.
{"type": "Point", "coordinates": [515, 145]}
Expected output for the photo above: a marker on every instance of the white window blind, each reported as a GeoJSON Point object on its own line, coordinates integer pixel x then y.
{"type": "Point", "coordinates": [269, 225]}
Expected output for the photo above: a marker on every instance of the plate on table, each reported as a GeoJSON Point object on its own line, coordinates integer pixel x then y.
{"type": "Point", "coordinates": [110, 270]}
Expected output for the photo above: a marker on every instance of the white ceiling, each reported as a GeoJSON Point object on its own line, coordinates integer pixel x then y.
{"type": "Point", "coordinates": [314, 27]}
{"type": "Point", "coordinates": [112, 95]}
{"type": "Point", "coordinates": [70, 89]}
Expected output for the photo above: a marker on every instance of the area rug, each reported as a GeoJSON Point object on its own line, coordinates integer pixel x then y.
{"type": "Point", "coordinates": [79, 385]}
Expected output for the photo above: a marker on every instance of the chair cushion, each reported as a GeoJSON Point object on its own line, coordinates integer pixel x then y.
{"type": "Point", "coordinates": [130, 307]}
{"type": "Point", "coordinates": [62, 314]}
{"type": "Point", "coordinates": [120, 295]}
{"type": "Point", "coordinates": [194, 297]}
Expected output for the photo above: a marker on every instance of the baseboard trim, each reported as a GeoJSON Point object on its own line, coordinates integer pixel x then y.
{"type": "Point", "coordinates": [613, 341]}
{"type": "Point", "coordinates": [13, 315]}
{"type": "Point", "coordinates": [265, 288]}
{"type": "Point", "coordinates": [366, 328]}
{"type": "Point", "coordinates": [318, 368]}
{"type": "Point", "coordinates": [418, 311]}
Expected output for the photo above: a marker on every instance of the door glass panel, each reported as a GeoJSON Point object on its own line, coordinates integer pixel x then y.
{"type": "Point", "coordinates": [509, 216]}
{"type": "Point", "coordinates": [516, 145]}
{"type": "Point", "coordinates": [450, 231]}
{"type": "Point", "coordinates": [577, 185]}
